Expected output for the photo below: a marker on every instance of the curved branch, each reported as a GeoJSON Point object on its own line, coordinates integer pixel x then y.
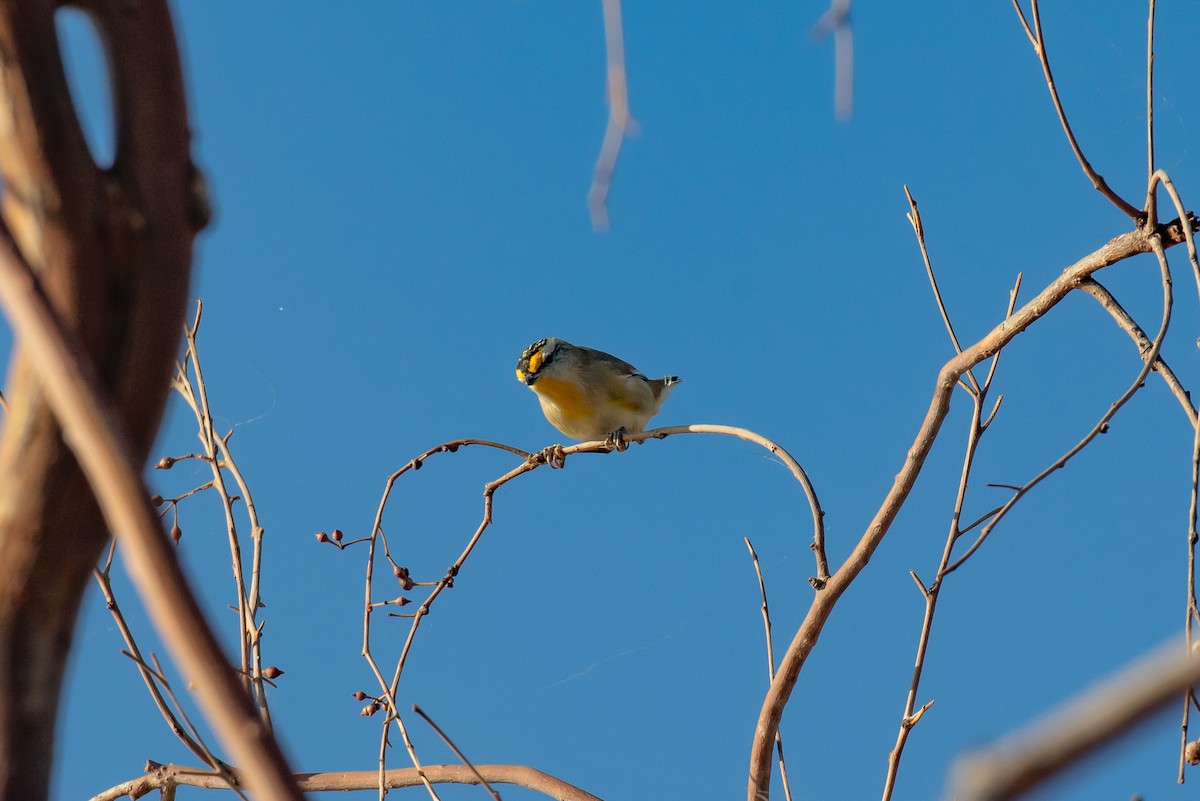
{"type": "Point", "coordinates": [554, 456]}
{"type": "Point", "coordinates": [818, 514]}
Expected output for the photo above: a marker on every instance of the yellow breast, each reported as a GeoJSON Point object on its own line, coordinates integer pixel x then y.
{"type": "Point", "coordinates": [567, 398]}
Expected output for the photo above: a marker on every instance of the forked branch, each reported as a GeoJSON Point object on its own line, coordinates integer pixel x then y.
{"type": "Point", "coordinates": [1122, 247]}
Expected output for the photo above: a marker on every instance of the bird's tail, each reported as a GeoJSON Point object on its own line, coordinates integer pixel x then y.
{"type": "Point", "coordinates": [664, 385]}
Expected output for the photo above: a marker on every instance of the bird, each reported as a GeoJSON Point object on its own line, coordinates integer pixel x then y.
{"type": "Point", "coordinates": [588, 394]}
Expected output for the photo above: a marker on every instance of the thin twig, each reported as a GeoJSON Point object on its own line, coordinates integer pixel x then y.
{"type": "Point", "coordinates": [221, 769]}
{"type": "Point", "coordinates": [1190, 611]}
{"type": "Point", "coordinates": [412, 755]}
{"type": "Point", "coordinates": [987, 382]}
{"type": "Point", "coordinates": [1039, 45]}
{"type": "Point", "coordinates": [977, 427]}
{"type": "Point", "coordinates": [1150, 93]}
{"type": "Point", "coordinates": [220, 457]}
{"type": "Point", "coordinates": [149, 678]}
{"type": "Point", "coordinates": [1186, 220]}
{"type": "Point", "coordinates": [368, 603]}
{"type": "Point", "coordinates": [930, 594]}
{"type": "Point", "coordinates": [196, 395]}
{"type": "Point", "coordinates": [766, 615]}
{"type": "Point", "coordinates": [914, 217]}
{"type": "Point", "coordinates": [458, 753]}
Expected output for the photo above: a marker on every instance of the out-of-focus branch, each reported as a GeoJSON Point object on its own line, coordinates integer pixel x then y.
{"type": "Point", "coordinates": [112, 253]}
{"type": "Point", "coordinates": [94, 280]}
{"type": "Point", "coordinates": [1079, 727]}
{"type": "Point", "coordinates": [836, 21]}
{"type": "Point", "coordinates": [619, 119]}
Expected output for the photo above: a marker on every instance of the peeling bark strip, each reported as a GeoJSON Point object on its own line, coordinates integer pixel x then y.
{"type": "Point", "coordinates": [112, 251]}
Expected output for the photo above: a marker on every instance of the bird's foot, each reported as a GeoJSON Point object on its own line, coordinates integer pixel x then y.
{"type": "Point", "coordinates": [616, 440]}
{"type": "Point", "coordinates": [554, 456]}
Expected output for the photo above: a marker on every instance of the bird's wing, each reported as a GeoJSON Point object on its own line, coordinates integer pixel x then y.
{"type": "Point", "coordinates": [624, 366]}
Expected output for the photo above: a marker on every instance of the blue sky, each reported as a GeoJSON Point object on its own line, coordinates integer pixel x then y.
{"type": "Point", "coordinates": [399, 193]}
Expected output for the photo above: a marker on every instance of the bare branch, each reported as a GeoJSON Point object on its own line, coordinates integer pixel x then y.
{"type": "Point", "coordinates": [1117, 249]}
{"type": "Point", "coordinates": [219, 457]}
{"type": "Point", "coordinates": [163, 776]}
{"type": "Point", "coordinates": [911, 715]}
